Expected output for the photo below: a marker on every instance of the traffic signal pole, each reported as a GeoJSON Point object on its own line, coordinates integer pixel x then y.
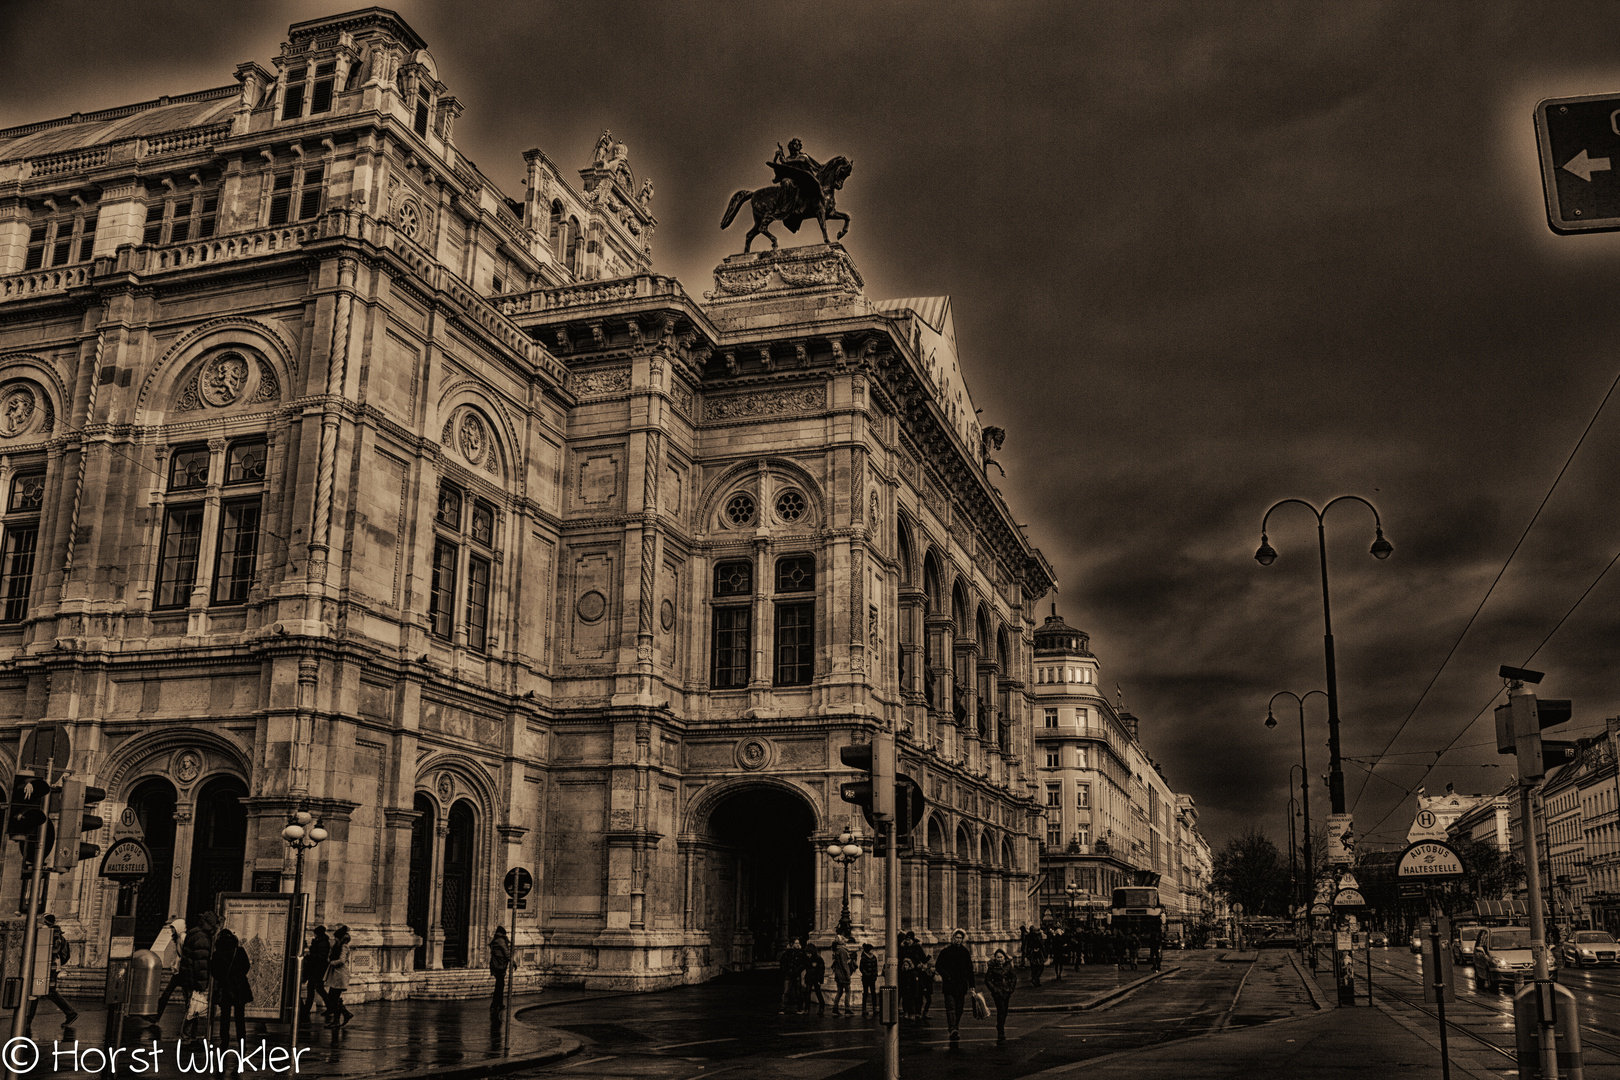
{"type": "Point", "coordinates": [884, 767]}
{"type": "Point", "coordinates": [1527, 729]}
{"type": "Point", "coordinates": [19, 1019]}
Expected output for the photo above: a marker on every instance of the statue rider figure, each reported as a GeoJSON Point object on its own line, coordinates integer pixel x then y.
{"type": "Point", "coordinates": [796, 158]}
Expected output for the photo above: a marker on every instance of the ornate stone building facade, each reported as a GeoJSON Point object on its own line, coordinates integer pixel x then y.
{"type": "Point", "coordinates": [337, 480]}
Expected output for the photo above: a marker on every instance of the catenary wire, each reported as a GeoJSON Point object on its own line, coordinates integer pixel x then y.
{"type": "Point", "coordinates": [1482, 600]}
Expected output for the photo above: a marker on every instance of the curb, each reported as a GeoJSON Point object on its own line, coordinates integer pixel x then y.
{"type": "Point", "coordinates": [1096, 999]}
{"type": "Point", "coordinates": [1317, 997]}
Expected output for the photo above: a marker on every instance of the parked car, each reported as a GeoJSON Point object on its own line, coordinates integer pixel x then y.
{"type": "Point", "coordinates": [1463, 938]}
{"type": "Point", "coordinates": [1501, 954]}
{"type": "Point", "coordinates": [1590, 948]}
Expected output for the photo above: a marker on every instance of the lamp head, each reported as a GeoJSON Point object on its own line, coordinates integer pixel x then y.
{"type": "Point", "coordinates": [317, 834]}
{"type": "Point", "coordinates": [1271, 720]}
{"type": "Point", "coordinates": [1382, 549]}
{"type": "Point", "coordinates": [292, 833]}
{"type": "Point", "coordinates": [1267, 554]}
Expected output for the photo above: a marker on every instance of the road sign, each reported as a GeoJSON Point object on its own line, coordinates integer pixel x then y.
{"type": "Point", "coordinates": [1341, 845]}
{"type": "Point", "coordinates": [1430, 860]}
{"type": "Point", "coordinates": [126, 860]}
{"type": "Point", "coordinates": [45, 744]}
{"type": "Point", "coordinates": [128, 825]}
{"type": "Point", "coordinates": [519, 883]}
{"type": "Point", "coordinates": [1321, 909]}
{"type": "Point", "coordinates": [517, 905]}
{"type": "Point", "coordinates": [1579, 140]}
{"type": "Point", "coordinates": [1349, 898]}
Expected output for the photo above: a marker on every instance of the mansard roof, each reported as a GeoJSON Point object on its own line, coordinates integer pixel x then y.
{"type": "Point", "coordinates": [143, 120]}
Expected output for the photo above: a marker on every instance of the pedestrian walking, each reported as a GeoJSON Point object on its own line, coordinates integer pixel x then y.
{"type": "Point", "coordinates": [868, 967]}
{"type": "Point", "coordinates": [500, 966]}
{"type": "Point", "coordinates": [1156, 948]}
{"type": "Point", "coordinates": [1001, 978]}
{"type": "Point", "coordinates": [1131, 945]}
{"type": "Point", "coordinates": [955, 967]}
{"type": "Point", "coordinates": [167, 945]}
{"type": "Point", "coordinates": [910, 996]}
{"type": "Point", "coordinates": [315, 960]}
{"type": "Point", "coordinates": [791, 969]}
{"type": "Point", "coordinates": [1054, 944]}
{"type": "Point", "coordinates": [843, 967]}
{"type": "Point", "coordinates": [195, 955]}
{"type": "Point", "coordinates": [228, 967]}
{"type": "Point", "coordinates": [337, 980]}
{"type": "Point", "coordinates": [815, 974]}
{"type": "Point", "coordinates": [925, 985]}
{"type": "Point", "coordinates": [61, 953]}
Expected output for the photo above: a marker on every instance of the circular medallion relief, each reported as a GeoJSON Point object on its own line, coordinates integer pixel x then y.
{"type": "Point", "coordinates": [187, 766]}
{"type": "Point", "coordinates": [446, 787]}
{"type": "Point", "coordinates": [591, 607]}
{"type": "Point", "coordinates": [473, 441]}
{"type": "Point", "coordinates": [222, 379]}
{"type": "Point", "coordinates": [16, 410]}
{"type": "Point", "coordinates": [740, 510]}
{"type": "Point", "coordinates": [409, 222]}
{"type": "Point", "coordinates": [753, 753]}
{"type": "Point", "coordinates": [666, 615]}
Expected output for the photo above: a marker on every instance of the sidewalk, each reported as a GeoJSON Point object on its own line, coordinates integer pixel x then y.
{"type": "Point", "coordinates": [395, 1040]}
{"type": "Point", "coordinates": [1362, 1041]}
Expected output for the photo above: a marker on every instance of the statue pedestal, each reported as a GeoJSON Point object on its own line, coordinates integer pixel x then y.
{"type": "Point", "coordinates": [785, 286]}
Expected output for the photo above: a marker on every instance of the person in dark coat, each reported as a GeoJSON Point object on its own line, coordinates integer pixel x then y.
{"type": "Point", "coordinates": [337, 979]}
{"type": "Point", "coordinates": [955, 968]}
{"type": "Point", "coordinates": [195, 955]}
{"type": "Point", "coordinates": [791, 969]}
{"type": "Point", "coordinates": [228, 967]}
{"type": "Point", "coordinates": [500, 966]}
{"type": "Point", "coordinates": [1001, 977]}
{"type": "Point", "coordinates": [61, 953]}
{"type": "Point", "coordinates": [320, 951]}
{"type": "Point", "coordinates": [815, 975]}
{"type": "Point", "coordinates": [868, 965]}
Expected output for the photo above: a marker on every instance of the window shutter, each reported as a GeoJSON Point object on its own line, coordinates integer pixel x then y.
{"type": "Point", "coordinates": [293, 105]}
{"type": "Point", "coordinates": [309, 203]}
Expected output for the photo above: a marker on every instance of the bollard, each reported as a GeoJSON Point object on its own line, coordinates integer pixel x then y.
{"type": "Point", "coordinates": [144, 986]}
{"type": "Point", "coordinates": [1526, 1017]}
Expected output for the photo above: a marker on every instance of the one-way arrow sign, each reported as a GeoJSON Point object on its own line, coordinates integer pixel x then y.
{"type": "Point", "coordinates": [1578, 139]}
{"type": "Point", "coordinates": [1583, 166]}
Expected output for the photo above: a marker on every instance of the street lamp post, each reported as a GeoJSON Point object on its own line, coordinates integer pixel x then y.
{"type": "Point", "coordinates": [302, 833]}
{"type": "Point", "coordinates": [1265, 556]}
{"type": "Point", "coordinates": [845, 850]}
{"type": "Point", "coordinates": [1073, 889]}
{"type": "Point", "coordinates": [1304, 799]}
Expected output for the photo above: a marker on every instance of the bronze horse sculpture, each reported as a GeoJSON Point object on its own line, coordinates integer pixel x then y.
{"type": "Point", "coordinates": [799, 195]}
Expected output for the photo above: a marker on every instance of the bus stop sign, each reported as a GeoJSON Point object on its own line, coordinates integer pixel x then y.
{"type": "Point", "coordinates": [1579, 142]}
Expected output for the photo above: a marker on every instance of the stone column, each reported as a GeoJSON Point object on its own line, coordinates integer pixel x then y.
{"type": "Point", "coordinates": [435, 935]}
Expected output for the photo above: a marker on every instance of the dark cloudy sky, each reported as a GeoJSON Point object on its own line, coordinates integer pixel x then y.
{"type": "Point", "coordinates": [1203, 257]}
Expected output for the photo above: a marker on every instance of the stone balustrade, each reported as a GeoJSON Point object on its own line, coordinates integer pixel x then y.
{"type": "Point", "coordinates": [43, 282]}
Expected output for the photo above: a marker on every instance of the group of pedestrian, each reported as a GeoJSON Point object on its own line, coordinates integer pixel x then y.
{"type": "Point", "coordinates": [326, 975]}
{"type": "Point", "coordinates": [803, 971]}
{"type": "Point", "coordinates": [1072, 946]}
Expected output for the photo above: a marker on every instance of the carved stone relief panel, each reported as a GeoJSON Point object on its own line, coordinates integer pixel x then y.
{"type": "Point", "coordinates": [596, 478]}
{"type": "Point", "coordinates": [25, 411]}
{"type": "Point", "coordinates": [591, 607]}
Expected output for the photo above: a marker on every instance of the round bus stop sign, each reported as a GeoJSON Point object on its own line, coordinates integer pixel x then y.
{"type": "Point", "coordinates": [126, 860]}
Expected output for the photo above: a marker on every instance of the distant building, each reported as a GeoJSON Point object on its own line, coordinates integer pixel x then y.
{"type": "Point", "coordinates": [1110, 815]}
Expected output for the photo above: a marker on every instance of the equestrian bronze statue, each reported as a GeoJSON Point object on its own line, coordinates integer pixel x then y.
{"type": "Point", "coordinates": [804, 189]}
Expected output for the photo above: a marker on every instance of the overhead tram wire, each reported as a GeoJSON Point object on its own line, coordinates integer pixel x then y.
{"type": "Point", "coordinates": [1495, 581]}
{"type": "Point", "coordinates": [1488, 705]}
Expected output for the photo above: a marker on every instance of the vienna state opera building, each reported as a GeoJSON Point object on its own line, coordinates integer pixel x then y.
{"type": "Point", "coordinates": [336, 480]}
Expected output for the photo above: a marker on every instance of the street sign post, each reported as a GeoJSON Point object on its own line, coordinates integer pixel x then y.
{"type": "Point", "coordinates": [1579, 142]}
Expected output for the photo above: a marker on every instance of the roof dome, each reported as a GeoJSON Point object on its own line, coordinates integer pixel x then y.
{"type": "Point", "coordinates": [1057, 636]}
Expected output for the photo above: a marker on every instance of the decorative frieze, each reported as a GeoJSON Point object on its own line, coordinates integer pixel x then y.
{"type": "Point", "coordinates": [765, 403]}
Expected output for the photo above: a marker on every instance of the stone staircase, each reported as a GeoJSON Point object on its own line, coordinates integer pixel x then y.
{"type": "Point", "coordinates": [456, 984]}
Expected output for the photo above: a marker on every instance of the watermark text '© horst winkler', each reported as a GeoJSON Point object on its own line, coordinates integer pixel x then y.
{"type": "Point", "coordinates": [25, 1056]}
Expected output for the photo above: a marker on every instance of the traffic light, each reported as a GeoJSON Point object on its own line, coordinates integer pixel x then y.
{"type": "Point", "coordinates": [874, 794]}
{"type": "Point", "coordinates": [1520, 722]}
{"type": "Point", "coordinates": [78, 799]}
{"type": "Point", "coordinates": [27, 807]}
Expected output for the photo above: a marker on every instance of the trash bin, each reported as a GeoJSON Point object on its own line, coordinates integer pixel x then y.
{"type": "Point", "coordinates": [145, 985]}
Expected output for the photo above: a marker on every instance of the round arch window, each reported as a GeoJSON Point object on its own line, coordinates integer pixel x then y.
{"type": "Point", "coordinates": [740, 509]}
{"type": "Point", "coordinates": [790, 506]}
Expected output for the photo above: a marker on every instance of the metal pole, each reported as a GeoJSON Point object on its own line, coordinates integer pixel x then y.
{"type": "Point", "coordinates": [1305, 807]}
{"type": "Point", "coordinates": [19, 1019]}
{"type": "Point", "coordinates": [891, 945]}
{"type": "Point", "coordinates": [506, 1027]}
{"type": "Point", "coordinates": [1546, 1030]}
{"type": "Point", "coordinates": [1439, 991]}
{"type": "Point", "coordinates": [298, 945]}
{"type": "Point", "coordinates": [1344, 972]}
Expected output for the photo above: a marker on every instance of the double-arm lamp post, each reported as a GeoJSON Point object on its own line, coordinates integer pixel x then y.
{"type": "Point", "coordinates": [1304, 781]}
{"type": "Point", "coordinates": [1265, 556]}
{"type": "Point", "coordinates": [845, 850]}
{"type": "Point", "coordinates": [302, 833]}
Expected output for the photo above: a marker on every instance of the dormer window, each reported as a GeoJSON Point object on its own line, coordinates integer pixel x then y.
{"type": "Point", "coordinates": [321, 100]}
{"type": "Point", "coordinates": [292, 105]}
{"type": "Point", "coordinates": [423, 110]}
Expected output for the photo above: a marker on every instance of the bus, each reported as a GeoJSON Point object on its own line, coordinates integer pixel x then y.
{"type": "Point", "coordinates": [1136, 910]}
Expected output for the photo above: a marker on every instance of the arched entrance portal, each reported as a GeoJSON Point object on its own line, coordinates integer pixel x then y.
{"type": "Point", "coordinates": [759, 881]}
{"type": "Point", "coordinates": [153, 803]}
{"type": "Point", "coordinates": [218, 844]}
{"type": "Point", "coordinates": [421, 881]}
{"type": "Point", "coordinates": [456, 911]}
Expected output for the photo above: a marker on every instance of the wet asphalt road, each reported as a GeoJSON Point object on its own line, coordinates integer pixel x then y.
{"type": "Point", "coordinates": [731, 1028]}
